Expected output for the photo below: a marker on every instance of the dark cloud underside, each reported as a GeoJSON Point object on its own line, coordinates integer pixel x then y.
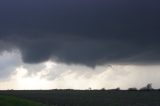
{"type": "Point", "coordinates": [86, 32]}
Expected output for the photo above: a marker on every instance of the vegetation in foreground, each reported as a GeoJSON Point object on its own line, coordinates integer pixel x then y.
{"type": "Point", "coordinates": [87, 97]}
{"type": "Point", "coordinates": [146, 96]}
{"type": "Point", "coordinates": [14, 101]}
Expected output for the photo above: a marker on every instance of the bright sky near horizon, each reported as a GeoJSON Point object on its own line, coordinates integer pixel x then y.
{"type": "Point", "coordinates": [52, 75]}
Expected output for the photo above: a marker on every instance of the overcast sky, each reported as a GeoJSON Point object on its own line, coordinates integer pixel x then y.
{"type": "Point", "coordinates": [46, 44]}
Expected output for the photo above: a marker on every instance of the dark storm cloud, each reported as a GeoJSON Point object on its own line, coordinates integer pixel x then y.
{"type": "Point", "coordinates": [86, 32]}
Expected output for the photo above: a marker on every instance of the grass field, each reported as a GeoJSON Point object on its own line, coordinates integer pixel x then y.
{"type": "Point", "coordinates": [14, 101]}
{"type": "Point", "coordinates": [86, 97]}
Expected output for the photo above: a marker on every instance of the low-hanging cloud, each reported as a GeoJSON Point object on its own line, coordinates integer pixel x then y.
{"type": "Point", "coordinates": [86, 32]}
{"type": "Point", "coordinates": [9, 61]}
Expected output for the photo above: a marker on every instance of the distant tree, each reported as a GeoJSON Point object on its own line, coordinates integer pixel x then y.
{"type": "Point", "coordinates": [103, 89]}
{"type": "Point", "coordinates": [132, 89]}
{"type": "Point", "coordinates": [90, 88]}
{"type": "Point", "coordinates": [117, 89]}
{"type": "Point", "coordinates": [147, 87]}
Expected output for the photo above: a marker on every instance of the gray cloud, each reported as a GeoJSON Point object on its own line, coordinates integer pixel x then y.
{"type": "Point", "coordinates": [9, 61]}
{"type": "Point", "coordinates": [82, 32]}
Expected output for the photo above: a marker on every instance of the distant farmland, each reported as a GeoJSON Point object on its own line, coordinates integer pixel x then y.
{"type": "Point", "coordinates": [89, 97]}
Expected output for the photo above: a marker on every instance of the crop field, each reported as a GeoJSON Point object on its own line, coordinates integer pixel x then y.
{"type": "Point", "coordinates": [88, 97]}
{"type": "Point", "coordinates": [15, 101]}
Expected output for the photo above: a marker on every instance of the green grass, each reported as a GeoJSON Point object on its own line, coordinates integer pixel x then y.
{"type": "Point", "coordinates": [14, 101]}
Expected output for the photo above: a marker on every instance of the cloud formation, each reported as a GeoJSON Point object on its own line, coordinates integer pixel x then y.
{"type": "Point", "coordinates": [9, 61]}
{"type": "Point", "coordinates": [86, 32]}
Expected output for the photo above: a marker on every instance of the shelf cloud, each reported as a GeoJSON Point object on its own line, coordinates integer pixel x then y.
{"type": "Point", "coordinates": [87, 32]}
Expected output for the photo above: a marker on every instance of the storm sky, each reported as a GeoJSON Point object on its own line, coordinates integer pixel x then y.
{"type": "Point", "coordinates": [84, 39]}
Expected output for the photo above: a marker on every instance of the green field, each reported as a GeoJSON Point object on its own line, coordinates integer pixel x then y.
{"type": "Point", "coordinates": [80, 98]}
{"type": "Point", "coordinates": [14, 101]}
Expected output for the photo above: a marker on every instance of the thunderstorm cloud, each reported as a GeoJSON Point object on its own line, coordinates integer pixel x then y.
{"type": "Point", "coordinates": [88, 32]}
